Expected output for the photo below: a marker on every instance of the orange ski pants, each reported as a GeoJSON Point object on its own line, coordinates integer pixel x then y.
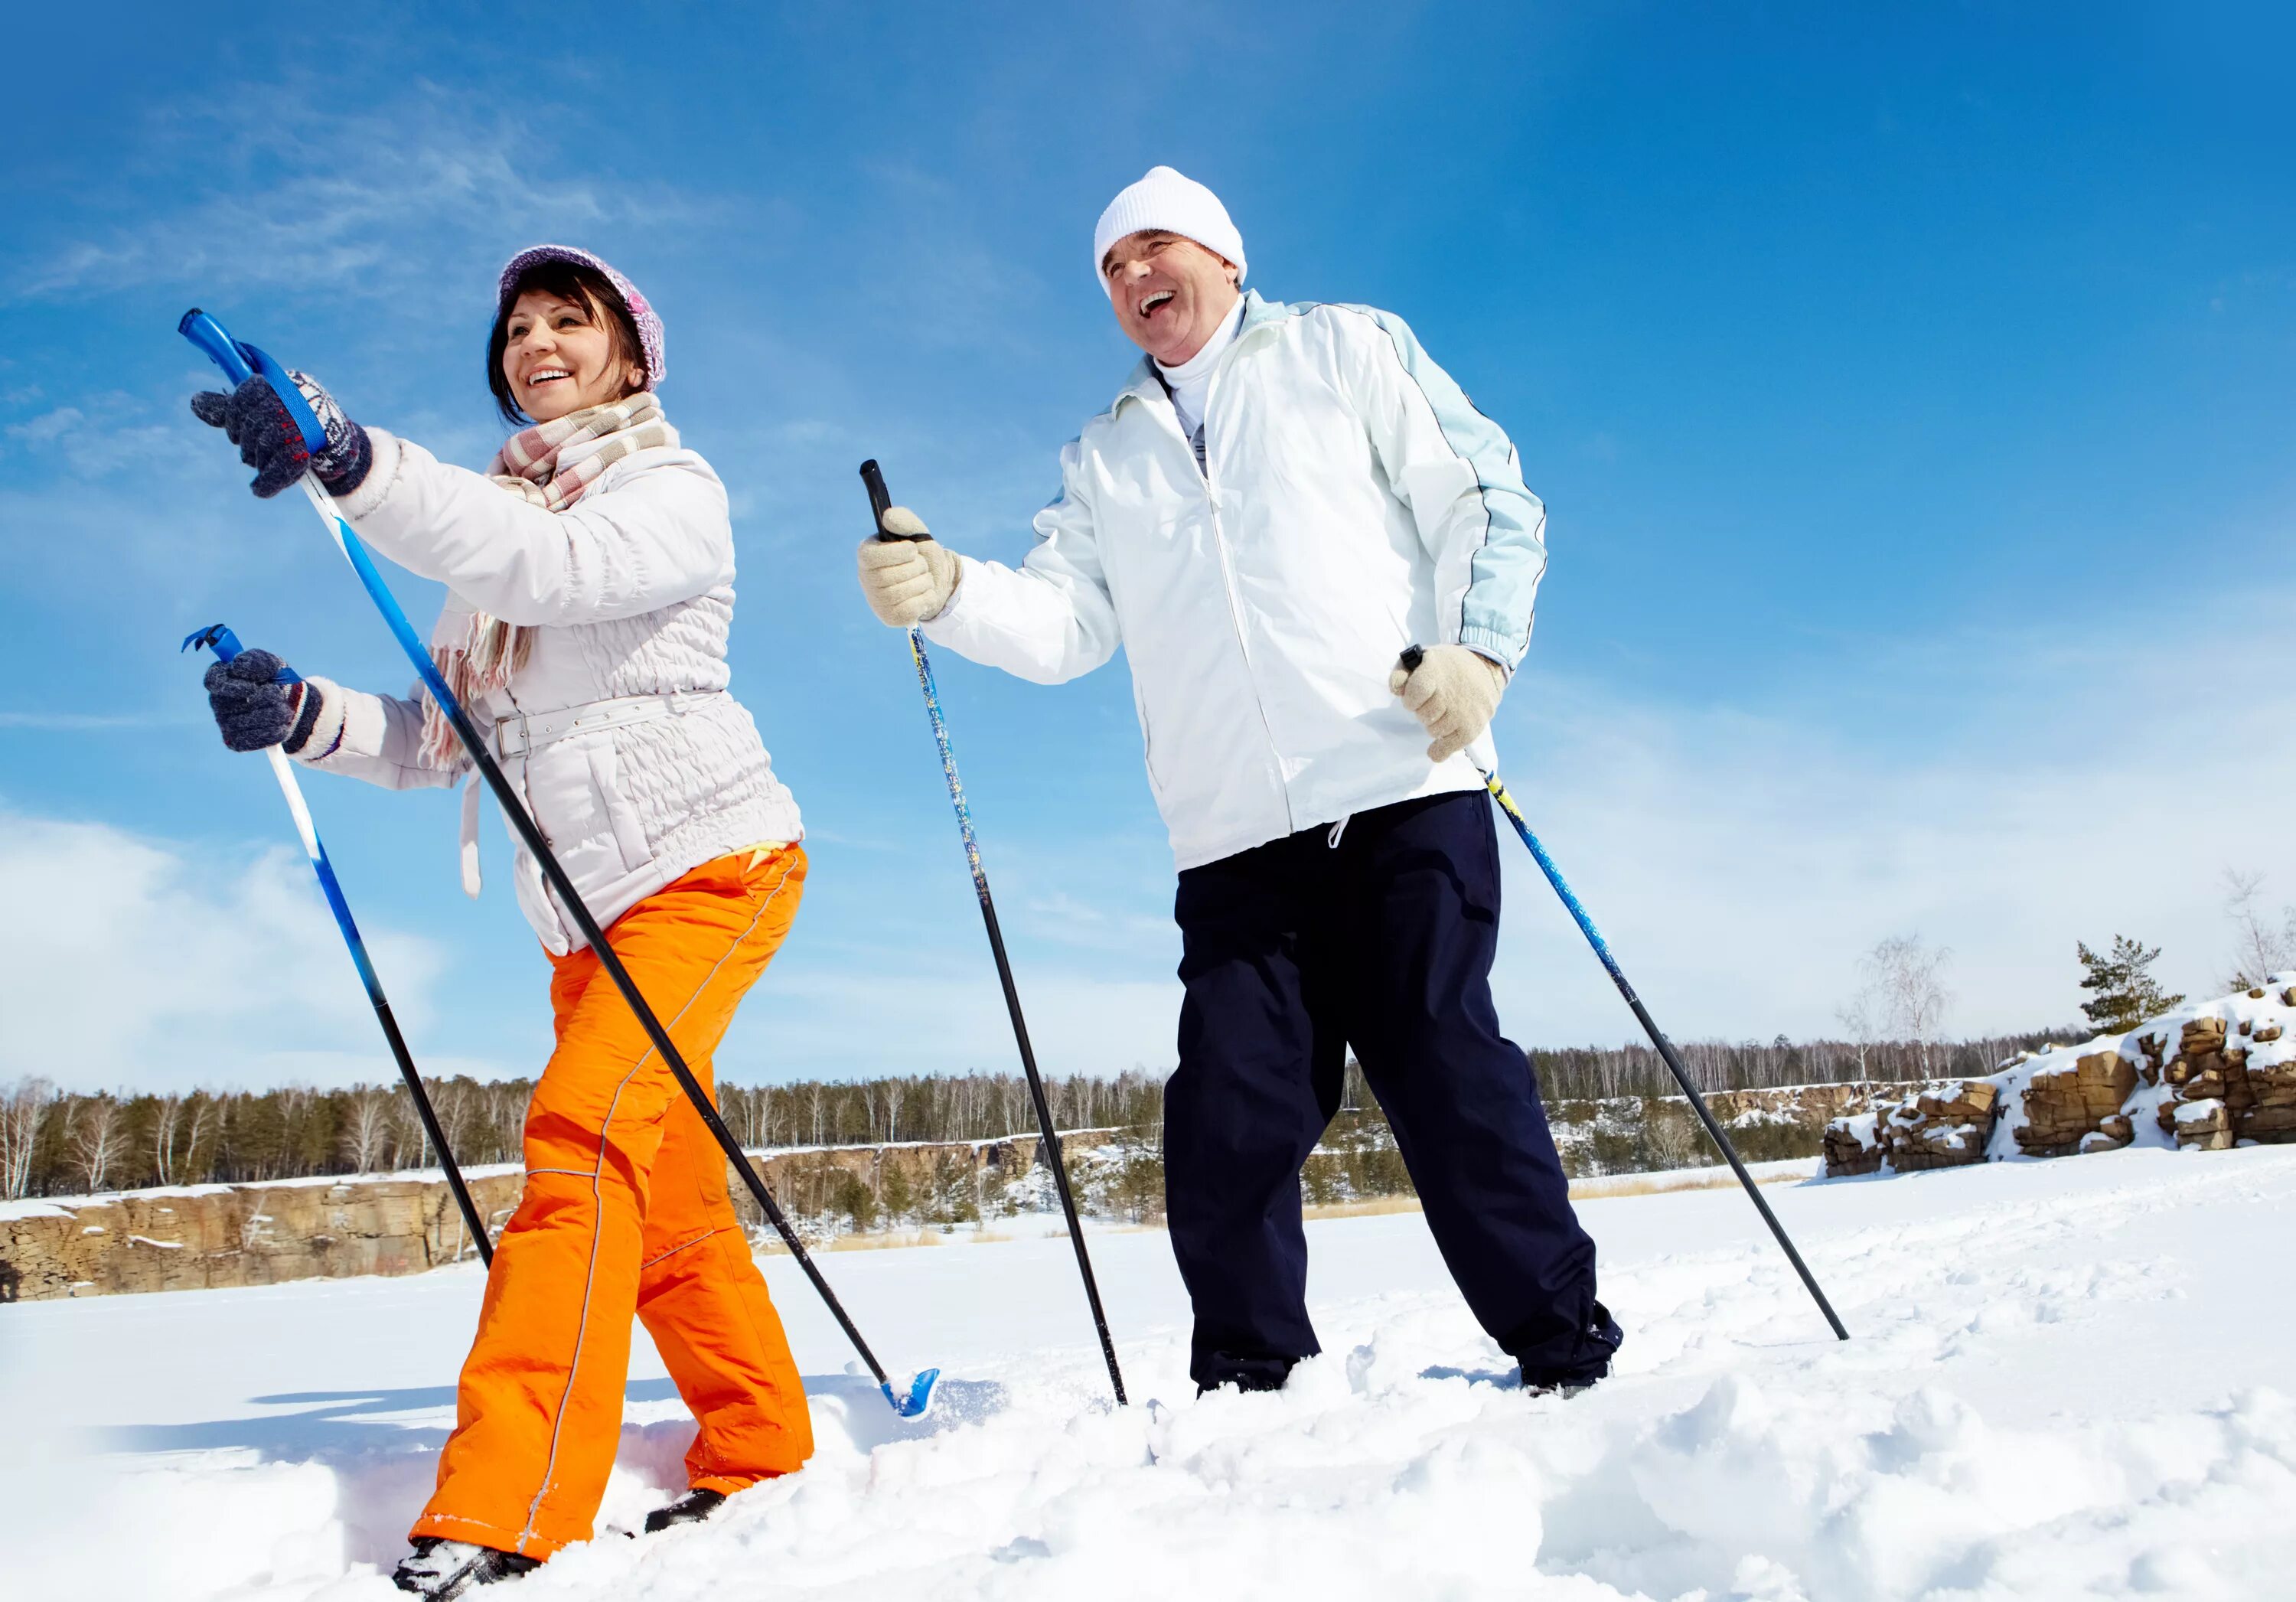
{"type": "Point", "coordinates": [625, 1210]}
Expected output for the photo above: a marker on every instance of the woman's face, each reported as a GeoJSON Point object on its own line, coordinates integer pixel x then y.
{"type": "Point", "coordinates": [558, 358]}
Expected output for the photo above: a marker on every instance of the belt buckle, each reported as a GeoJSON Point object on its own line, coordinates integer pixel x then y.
{"type": "Point", "coordinates": [503, 726]}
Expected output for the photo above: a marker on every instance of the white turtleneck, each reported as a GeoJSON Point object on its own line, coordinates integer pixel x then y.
{"type": "Point", "coordinates": [1191, 381]}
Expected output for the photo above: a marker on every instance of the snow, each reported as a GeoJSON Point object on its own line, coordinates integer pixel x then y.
{"type": "Point", "coordinates": [1706, 1177]}
{"type": "Point", "coordinates": [2063, 1385]}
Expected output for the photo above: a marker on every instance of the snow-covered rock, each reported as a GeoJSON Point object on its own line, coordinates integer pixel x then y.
{"type": "Point", "coordinates": [2207, 1076]}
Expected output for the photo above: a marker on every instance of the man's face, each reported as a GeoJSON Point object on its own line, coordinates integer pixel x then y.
{"type": "Point", "coordinates": [1170, 293]}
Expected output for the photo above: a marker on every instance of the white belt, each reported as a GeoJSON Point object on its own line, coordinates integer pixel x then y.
{"type": "Point", "coordinates": [519, 732]}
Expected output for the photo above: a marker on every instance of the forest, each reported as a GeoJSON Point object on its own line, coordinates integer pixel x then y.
{"type": "Point", "coordinates": [69, 1144]}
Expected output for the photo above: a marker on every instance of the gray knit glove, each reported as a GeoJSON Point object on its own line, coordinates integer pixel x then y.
{"type": "Point", "coordinates": [254, 712]}
{"type": "Point", "coordinates": [1452, 692]}
{"type": "Point", "coordinates": [908, 579]}
{"type": "Point", "coordinates": [254, 418]}
{"type": "Point", "coordinates": [253, 709]}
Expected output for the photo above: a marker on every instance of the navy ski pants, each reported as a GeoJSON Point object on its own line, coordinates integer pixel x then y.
{"type": "Point", "coordinates": [1293, 952]}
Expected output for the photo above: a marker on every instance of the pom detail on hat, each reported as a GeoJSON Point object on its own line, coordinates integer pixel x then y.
{"type": "Point", "coordinates": [1174, 204]}
{"type": "Point", "coordinates": [649, 325]}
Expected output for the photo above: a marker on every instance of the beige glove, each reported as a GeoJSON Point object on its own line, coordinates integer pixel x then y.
{"type": "Point", "coordinates": [909, 580]}
{"type": "Point", "coordinates": [1452, 692]}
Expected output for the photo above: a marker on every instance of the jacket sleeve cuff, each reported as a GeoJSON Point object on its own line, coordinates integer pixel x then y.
{"type": "Point", "coordinates": [953, 611]}
{"type": "Point", "coordinates": [351, 725]}
{"type": "Point", "coordinates": [383, 473]}
{"type": "Point", "coordinates": [319, 725]}
{"type": "Point", "coordinates": [1491, 643]}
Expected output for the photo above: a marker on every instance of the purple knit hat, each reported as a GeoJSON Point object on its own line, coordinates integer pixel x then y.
{"type": "Point", "coordinates": [643, 314]}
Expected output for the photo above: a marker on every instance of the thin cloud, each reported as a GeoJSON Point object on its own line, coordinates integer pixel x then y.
{"type": "Point", "coordinates": [2005, 794]}
{"type": "Point", "coordinates": [150, 967]}
{"type": "Point", "coordinates": [288, 190]}
{"type": "Point", "coordinates": [110, 433]}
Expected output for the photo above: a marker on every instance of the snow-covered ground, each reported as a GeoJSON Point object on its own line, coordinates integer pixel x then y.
{"type": "Point", "coordinates": [2069, 1379]}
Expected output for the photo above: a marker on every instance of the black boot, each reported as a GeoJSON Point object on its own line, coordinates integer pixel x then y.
{"type": "Point", "coordinates": [1602, 1338]}
{"type": "Point", "coordinates": [439, 1568]}
{"type": "Point", "coordinates": [1246, 1371]}
{"type": "Point", "coordinates": [1533, 1386]}
{"type": "Point", "coordinates": [691, 1509]}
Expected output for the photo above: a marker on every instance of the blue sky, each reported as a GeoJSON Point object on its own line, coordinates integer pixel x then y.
{"type": "Point", "coordinates": [1909, 391]}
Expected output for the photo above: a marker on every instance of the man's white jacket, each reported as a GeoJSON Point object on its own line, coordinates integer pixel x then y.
{"type": "Point", "coordinates": [1352, 502]}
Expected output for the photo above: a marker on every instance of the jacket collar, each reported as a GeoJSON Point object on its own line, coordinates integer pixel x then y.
{"type": "Point", "coordinates": [1144, 383]}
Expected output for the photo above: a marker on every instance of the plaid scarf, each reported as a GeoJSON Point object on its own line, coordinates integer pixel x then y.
{"type": "Point", "coordinates": [552, 465]}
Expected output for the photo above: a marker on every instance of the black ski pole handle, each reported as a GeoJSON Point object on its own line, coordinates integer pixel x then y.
{"type": "Point", "coordinates": [881, 501]}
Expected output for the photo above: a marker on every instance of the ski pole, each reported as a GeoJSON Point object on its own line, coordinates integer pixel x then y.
{"type": "Point", "coordinates": [225, 646]}
{"type": "Point", "coordinates": [239, 363]}
{"type": "Point", "coordinates": [1499, 794]}
{"type": "Point", "coordinates": [881, 499]}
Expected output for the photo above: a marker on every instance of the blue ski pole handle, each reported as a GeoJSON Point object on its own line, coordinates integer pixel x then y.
{"type": "Point", "coordinates": [225, 644]}
{"type": "Point", "coordinates": [240, 363]}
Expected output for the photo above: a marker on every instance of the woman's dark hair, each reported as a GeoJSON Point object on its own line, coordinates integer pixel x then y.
{"type": "Point", "coordinates": [578, 285]}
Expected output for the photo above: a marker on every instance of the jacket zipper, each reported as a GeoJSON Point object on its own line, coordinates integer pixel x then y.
{"type": "Point", "coordinates": [1227, 580]}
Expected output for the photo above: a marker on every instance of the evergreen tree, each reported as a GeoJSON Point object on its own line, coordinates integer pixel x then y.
{"type": "Point", "coordinates": [2126, 993]}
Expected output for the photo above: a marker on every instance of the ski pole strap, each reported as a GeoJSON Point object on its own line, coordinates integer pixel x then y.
{"type": "Point", "coordinates": [219, 640]}
{"type": "Point", "coordinates": [240, 363]}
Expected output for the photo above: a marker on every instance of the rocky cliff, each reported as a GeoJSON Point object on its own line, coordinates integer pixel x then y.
{"type": "Point", "coordinates": [2207, 1076]}
{"type": "Point", "coordinates": [211, 1236]}
{"type": "Point", "coordinates": [214, 1236]}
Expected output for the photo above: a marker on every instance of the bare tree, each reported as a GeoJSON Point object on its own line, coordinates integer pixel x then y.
{"type": "Point", "coordinates": [207, 1118]}
{"type": "Point", "coordinates": [22, 1109]}
{"type": "Point", "coordinates": [97, 1140]}
{"type": "Point", "coordinates": [2260, 947]}
{"type": "Point", "coordinates": [166, 1117]}
{"type": "Point", "coordinates": [895, 1092]}
{"type": "Point", "coordinates": [295, 1104]}
{"type": "Point", "coordinates": [1903, 996]}
{"type": "Point", "coordinates": [506, 1107]}
{"type": "Point", "coordinates": [408, 1140]}
{"type": "Point", "coordinates": [1861, 1026]}
{"type": "Point", "coordinates": [1676, 1142]}
{"type": "Point", "coordinates": [367, 1129]}
{"type": "Point", "coordinates": [451, 1101]}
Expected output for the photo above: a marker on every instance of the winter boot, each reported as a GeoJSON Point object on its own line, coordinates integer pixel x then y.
{"type": "Point", "coordinates": [691, 1509]}
{"type": "Point", "coordinates": [439, 1568]}
{"type": "Point", "coordinates": [1604, 1336]}
{"type": "Point", "coordinates": [1245, 1371]}
{"type": "Point", "coordinates": [1562, 1388]}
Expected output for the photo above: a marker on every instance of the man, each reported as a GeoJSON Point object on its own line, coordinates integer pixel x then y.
{"type": "Point", "coordinates": [1281, 500]}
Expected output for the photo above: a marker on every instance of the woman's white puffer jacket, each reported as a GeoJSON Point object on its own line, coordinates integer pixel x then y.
{"type": "Point", "coordinates": [631, 592]}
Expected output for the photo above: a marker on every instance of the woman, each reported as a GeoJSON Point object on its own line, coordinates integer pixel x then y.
{"type": "Point", "coordinates": [590, 574]}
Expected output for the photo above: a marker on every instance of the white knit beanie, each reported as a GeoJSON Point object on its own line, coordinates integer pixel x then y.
{"type": "Point", "coordinates": [1168, 200]}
